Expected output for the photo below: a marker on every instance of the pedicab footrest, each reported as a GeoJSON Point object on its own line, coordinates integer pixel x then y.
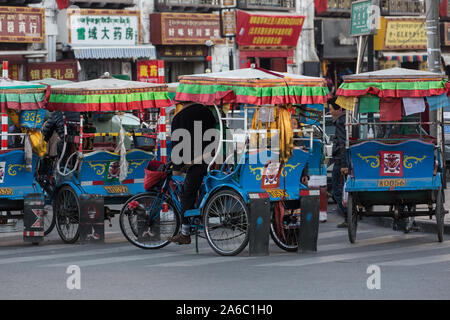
{"type": "Point", "coordinates": [192, 213]}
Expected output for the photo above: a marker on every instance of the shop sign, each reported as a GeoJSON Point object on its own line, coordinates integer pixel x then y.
{"type": "Point", "coordinates": [405, 33]}
{"type": "Point", "coordinates": [150, 71]}
{"type": "Point", "coordinates": [22, 24]}
{"type": "Point", "coordinates": [268, 30]}
{"type": "Point", "coordinates": [388, 64]}
{"type": "Point", "coordinates": [185, 28]}
{"type": "Point", "coordinates": [183, 51]}
{"type": "Point", "coordinates": [103, 27]}
{"type": "Point", "coordinates": [13, 71]}
{"type": "Point", "coordinates": [447, 33]}
{"type": "Point", "coordinates": [57, 70]}
{"type": "Point", "coordinates": [363, 17]}
{"type": "Point", "coordinates": [229, 23]}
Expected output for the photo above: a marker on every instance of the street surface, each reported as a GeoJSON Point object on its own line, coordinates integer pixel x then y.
{"type": "Point", "coordinates": [412, 266]}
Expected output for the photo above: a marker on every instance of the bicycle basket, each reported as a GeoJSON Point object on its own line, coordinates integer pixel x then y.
{"type": "Point", "coordinates": [153, 174]}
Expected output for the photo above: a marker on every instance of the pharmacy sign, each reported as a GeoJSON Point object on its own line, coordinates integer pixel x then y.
{"type": "Point", "coordinates": [103, 27]}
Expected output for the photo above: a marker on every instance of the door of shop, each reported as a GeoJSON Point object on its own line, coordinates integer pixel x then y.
{"type": "Point", "coordinates": [275, 64]}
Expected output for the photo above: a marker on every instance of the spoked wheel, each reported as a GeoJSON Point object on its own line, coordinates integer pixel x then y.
{"type": "Point", "coordinates": [150, 225]}
{"type": "Point", "coordinates": [440, 214]}
{"type": "Point", "coordinates": [352, 218]}
{"type": "Point", "coordinates": [49, 219]}
{"type": "Point", "coordinates": [285, 230]}
{"type": "Point", "coordinates": [67, 214]}
{"type": "Point", "coordinates": [225, 220]}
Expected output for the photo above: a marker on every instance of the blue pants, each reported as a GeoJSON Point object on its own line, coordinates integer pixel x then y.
{"type": "Point", "coordinates": [337, 183]}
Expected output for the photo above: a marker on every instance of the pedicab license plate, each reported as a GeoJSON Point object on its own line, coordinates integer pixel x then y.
{"type": "Point", "coordinates": [391, 182]}
{"type": "Point", "coordinates": [116, 189]}
{"type": "Point", "coordinates": [6, 191]}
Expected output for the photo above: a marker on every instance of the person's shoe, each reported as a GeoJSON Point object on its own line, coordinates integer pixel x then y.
{"type": "Point", "coordinates": [343, 225]}
{"type": "Point", "coordinates": [180, 239]}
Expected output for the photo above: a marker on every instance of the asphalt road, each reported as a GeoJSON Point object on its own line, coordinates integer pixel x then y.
{"type": "Point", "coordinates": [407, 266]}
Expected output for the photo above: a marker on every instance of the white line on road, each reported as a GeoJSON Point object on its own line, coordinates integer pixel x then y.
{"type": "Point", "coordinates": [94, 262]}
{"type": "Point", "coordinates": [417, 261]}
{"type": "Point", "coordinates": [66, 255]}
{"type": "Point", "coordinates": [349, 256]}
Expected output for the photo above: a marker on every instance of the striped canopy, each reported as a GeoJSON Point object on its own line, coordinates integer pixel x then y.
{"type": "Point", "coordinates": [108, 94]}
{"type": "Point", "coordinates": [394, 83]}
{"type": "Point", "coordinates": [19, 95]}
{"type": "Point", "coordinates": [252, 86]}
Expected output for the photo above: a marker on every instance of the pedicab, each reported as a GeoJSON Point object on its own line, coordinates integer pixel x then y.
{"type": "Point", "coordinates": [99, 163]}
{"type": "Point", "coordinates": [255, 157]}
{"type": "Point", "coordinates": [394, 147]}
{"type": "Point", "coordinates": [22, 115]}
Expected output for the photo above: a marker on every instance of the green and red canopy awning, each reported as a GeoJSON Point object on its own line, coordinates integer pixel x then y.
{"type": "Point", "coordinates": [18, 95]}
{"type": "Point", "coordinates": [252, 86]}
{"type": "Point", "coordinates": [394, 83]}
{"type": "Point", "coordinates": [108, 94]}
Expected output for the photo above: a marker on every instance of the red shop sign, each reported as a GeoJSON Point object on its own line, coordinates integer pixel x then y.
{"type": "Point", "coordinates": [57, 70]}
{"type": "Point", "coordinates": [185, 28]}
{"type": "Point", "coordinates": [150, 71]}
{"type": "Point", "coordinates": [268, 30]}
{"type": "Point", "coordinates": [22, 24]}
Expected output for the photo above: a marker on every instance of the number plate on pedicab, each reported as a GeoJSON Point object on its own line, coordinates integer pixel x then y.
{"type": "Point", "coordinates": [6, 191]}
{"type": "Point", "coordinates": [391, 183]}
{"type": "Point", "coordinates": [116, 189]}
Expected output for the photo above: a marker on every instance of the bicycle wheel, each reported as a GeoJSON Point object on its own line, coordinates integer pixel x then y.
{"type": "Point", "coordinates": [67, 214]}
{"type": "Point", "coordinates": [225, 220]}
{"type": "Point", "coordinates": [49, 219]}
{"type": "Point", "coordinates": [352, 218]}
{"type": "Point", "coordinates": [149, 228]}
{"type": "Point", "coordinates": [285, 230]}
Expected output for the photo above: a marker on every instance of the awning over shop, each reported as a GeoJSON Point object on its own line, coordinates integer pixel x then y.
{"type": "Point", "coordinates": [126, 52]}
{"type": "Point", "coordinates": [407, 56]}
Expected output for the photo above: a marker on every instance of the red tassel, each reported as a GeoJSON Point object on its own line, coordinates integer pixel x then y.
{"type": "Point", "coordinates": [62, 4]}
{"type": "Point", "coordinates": [321, 5]}
{"type": "Point", "coordinates": [443, 8]}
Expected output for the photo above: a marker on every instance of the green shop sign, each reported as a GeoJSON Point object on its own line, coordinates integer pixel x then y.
{"type": "Point", "coordinates": [365, 14]}
{"type": "Point", "coordinates": [107, 27]}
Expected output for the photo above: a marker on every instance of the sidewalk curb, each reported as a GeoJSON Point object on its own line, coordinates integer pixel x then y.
{"type": "Point", "coordinates": [425, 226]}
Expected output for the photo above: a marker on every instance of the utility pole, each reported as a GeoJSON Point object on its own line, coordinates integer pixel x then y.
{"type": "Point", "coordinates": [433, 39]}
{"type": "Point", "coordinates": [433, 48]}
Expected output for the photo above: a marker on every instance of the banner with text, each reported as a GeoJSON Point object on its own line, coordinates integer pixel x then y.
{"type": "Point", "coordinates": [268, 30]}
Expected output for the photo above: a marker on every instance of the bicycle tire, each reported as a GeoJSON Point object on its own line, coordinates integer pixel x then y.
{"type": "Point", "coordinates": [226, 217]}
{"type": "Point", "coordinates": [133, 237]}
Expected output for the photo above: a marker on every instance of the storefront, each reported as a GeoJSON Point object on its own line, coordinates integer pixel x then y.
{"type": "Point", "coordinates": [61, 70]}
{"type": "Point", "coordinates": [185, 37]}
{"type": "Point", "coordinates": [445, 46]}
{"type": "Point", "coordinates": [20, 27]}
{"type": "Point", "coordinates": [103, 41]}
{"type": "Point", "coordinates": [267, 40]}
{"type": "Point", "coordinates": [337, 50]}
{"type": "Point", "coordinates": [401, 42]}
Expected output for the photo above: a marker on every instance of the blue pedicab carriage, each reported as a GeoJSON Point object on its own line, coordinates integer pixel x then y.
{"type": "Point", "coordinates": [22, 109]}
{"type": "Point", "coordinates": [222, 210]}
{"type": "Point", "coordinates": [91, 164]}
{"type": "Point", "coordinates": [395, 161]}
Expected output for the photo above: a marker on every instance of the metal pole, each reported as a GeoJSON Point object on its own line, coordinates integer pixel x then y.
{"type": "Point", "coordinates": [433, 47]}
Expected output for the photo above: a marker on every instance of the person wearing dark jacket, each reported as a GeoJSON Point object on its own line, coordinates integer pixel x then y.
{"type": "Point", "coordinates": [339, 158]}
{"type": "Point", "coordinates": [191, 116]}
{"type": "Point", "coordinates": [55, 123]}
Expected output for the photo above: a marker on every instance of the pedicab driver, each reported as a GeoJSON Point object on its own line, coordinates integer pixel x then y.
{"type": "Point", "coordinates": [189, 154]}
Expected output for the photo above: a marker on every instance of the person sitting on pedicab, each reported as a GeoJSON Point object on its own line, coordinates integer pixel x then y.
{"type": "Point", "coordinates": [190, 155]}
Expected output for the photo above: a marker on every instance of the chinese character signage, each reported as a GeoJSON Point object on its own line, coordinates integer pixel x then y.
{"type": "Point", "coordinates": [103, 27]}
{"type": "Point", "coordinates": [57, 70]}
{"type": "Point", "coordinates": [405, 34]}
{"type": "Point", "coordinates": [150, 71]}
{"type": "Point", "coordinates": [22, 24]}
{"type": "Point", "coordinates": [363, 18]}
{"type": "Point", "coordinates": [268, 30]}
{"type": "Point", "coordinates": [185, 28]}
{"type": "Point", "coordinates": [183, 51]}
